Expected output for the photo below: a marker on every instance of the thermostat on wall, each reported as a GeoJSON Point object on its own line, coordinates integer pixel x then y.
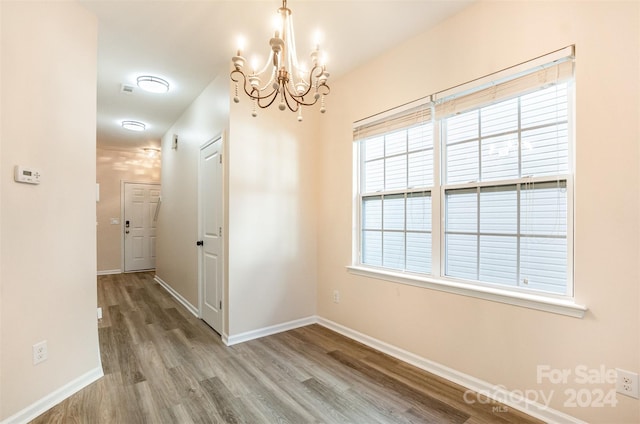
{"type": "Point", "coordinates": [26, 175]}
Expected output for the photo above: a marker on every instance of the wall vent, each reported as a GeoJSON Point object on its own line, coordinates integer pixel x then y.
{"type": "Point", "coordinates": [126, 89]}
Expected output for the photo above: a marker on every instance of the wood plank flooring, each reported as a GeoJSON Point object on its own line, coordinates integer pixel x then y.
{"type": "Point", "coordinates": [162, 365]}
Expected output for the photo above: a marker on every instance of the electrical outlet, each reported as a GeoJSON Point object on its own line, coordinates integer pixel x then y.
{"type": "Point", "coordinates": [99, 313]}
{"type": "Point", "coordinates": [336, 296]}
{"type": "Point", "coordinates": [40, 352]}
{"type": "Point", "coordinates": [627, 383]}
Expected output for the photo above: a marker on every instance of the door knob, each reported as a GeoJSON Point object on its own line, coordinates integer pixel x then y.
{"type": "Point", "coordinates": [200, 243]}
{"type": "Point", "coordinates": [126, 232]}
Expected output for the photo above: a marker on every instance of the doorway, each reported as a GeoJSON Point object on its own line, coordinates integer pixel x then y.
{"type": "Point", "coordinates": [140, 211]}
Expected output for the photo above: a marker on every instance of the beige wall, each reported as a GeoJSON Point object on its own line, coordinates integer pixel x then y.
{"type": "Point", "coordinates": [1, 273]}
{"type": "Point", "coordinates": [272, 214]}
{"type": "Point", "coordinates": [270, 210]}
{"type": "Point", "coordinates": [177, 254]}
{"type": "Point", "coordinates": [499, 343]}
{"type": "Point", "coordinates": [47, 232]}
{"type": "Point", "coordinates": [113, 167]}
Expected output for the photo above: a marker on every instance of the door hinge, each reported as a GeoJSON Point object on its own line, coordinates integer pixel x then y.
{"type": "Point", "coordinates": [221, 305]}
{"type": "Point", "coordinates": [220, 158]}
{"type": "Point", "coordinates": [220, 232]}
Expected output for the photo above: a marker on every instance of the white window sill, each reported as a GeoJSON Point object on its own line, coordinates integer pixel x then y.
{"type": "Point", "coordinates": [532, 301]}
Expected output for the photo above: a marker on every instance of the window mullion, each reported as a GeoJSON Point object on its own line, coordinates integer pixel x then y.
{"type": "Point", "coordinates": [360, 150]}
{"type": "Point", "coordinates": [404, 266]}
{"type": "Point", "coordinates": [478, 234]}
{"type": "Point", "coordinates": [479, 145]}
{"type": "Point", "coordinates": [519, 137]}
{"type": "Point", "coordinates": [406, 158]}
{"type": "Point", "coordinates": [518, 233]}
{"type": "Point", "coordinates": [478, 195]}
{"type": "Point", "coordinates": [382, 196]}
{"type": "Point", "coordinates": [437, 210]}
{"type": "Point", "coordinates": [518, 192]}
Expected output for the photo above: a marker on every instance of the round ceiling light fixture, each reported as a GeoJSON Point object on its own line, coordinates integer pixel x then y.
{"type": "Point", "coordinates": [152, 152]}
{"type": "Point", "coordinates": [153, 84]}
{"type": "Point", "coordinates": [133, 125]}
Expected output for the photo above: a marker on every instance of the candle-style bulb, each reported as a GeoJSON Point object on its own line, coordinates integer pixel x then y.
{"type": "Point", "coordinates": [241, 43]}
{"type": "Point", "coordinates": [254, 65]}
{"type": "Point", "coordinates": [323, 59]}
{"type": "Point", "coordinates": [317, 39]}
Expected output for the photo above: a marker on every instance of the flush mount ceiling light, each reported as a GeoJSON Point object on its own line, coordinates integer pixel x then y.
{"type": "Point", "coordinates": [133, 125]}
{"type": "Point", "coordinates": [153, 84]}
{"type": "Point", "coordinates": [151, 151]}
{"type": "Point", "coordinates": [283, 76]}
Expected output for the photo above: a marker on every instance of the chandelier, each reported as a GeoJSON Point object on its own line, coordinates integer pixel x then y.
{"type": "Point", "coordinates": [283, 77]}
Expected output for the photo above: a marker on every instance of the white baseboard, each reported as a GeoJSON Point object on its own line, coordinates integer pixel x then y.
{"type": "Point", "coordinates": [225, 338]}
{"type": "Point", "coordinates": [178, 297]}
{"type": "Point", "coordinates": [492, 391]}
{"type": "Point", "coordinates": [54, 398]}
{"type": "Point", "coordinates": [110, 272]}
{"type": "Point", "coordinates": [267, 331]}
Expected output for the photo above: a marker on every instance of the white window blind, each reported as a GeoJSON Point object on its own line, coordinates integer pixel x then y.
{"type": "Point", "coordinates": [501, 202]}
{"type": "Point", "coordinates": [391, 121]}
{"type": "Point", "coordinates": [505, 88]}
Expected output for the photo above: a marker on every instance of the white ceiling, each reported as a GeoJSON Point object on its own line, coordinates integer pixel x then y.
{"type": "Point", "coordinates": [189, 42]}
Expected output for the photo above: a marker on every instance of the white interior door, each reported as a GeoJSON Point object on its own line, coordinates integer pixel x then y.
{"type": "Point", "coordinates": [140, 203]}
{"type": "Point", "coordinates": [211, 223]}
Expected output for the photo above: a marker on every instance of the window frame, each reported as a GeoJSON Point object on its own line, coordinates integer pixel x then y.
{"type": "Point", "coordinates": [546, 301]}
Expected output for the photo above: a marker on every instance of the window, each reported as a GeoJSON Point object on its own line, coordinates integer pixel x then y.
{"type": "Point", "coordinates": [397, 173]}
{"type": "Point", "coordinates": [505, 192]}
{"type": "Point", "coordinates": [473, 188]}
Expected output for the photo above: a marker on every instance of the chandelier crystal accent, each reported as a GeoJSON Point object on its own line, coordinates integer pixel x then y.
{"type": "Point", "coordinates": [282, 77]}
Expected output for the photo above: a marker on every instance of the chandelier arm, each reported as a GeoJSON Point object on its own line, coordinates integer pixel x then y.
{"type": "Point", "coordinates": [286, 100]}
{"type": "Point", "coordinates": [309, 85]}
{"type": "Point", "coordinates": [274, 93]}
{"type": "Point", "coordinates": [270, 82]}
{"type": "Point", "coordinates": [234, 72]}
{"type": "Point", "coordinates": [253, 89]}
{"type": "Point", "coordinates": [299, 99]}
{"type": "Point", "coordinates": [328, 89]}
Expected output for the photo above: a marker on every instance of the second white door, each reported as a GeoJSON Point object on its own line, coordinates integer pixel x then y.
{"type": "Point", "coordinates": [140, 204]}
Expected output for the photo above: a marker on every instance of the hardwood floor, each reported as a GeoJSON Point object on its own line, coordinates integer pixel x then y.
{"type": "Point", "coordinates": [162, 365]}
